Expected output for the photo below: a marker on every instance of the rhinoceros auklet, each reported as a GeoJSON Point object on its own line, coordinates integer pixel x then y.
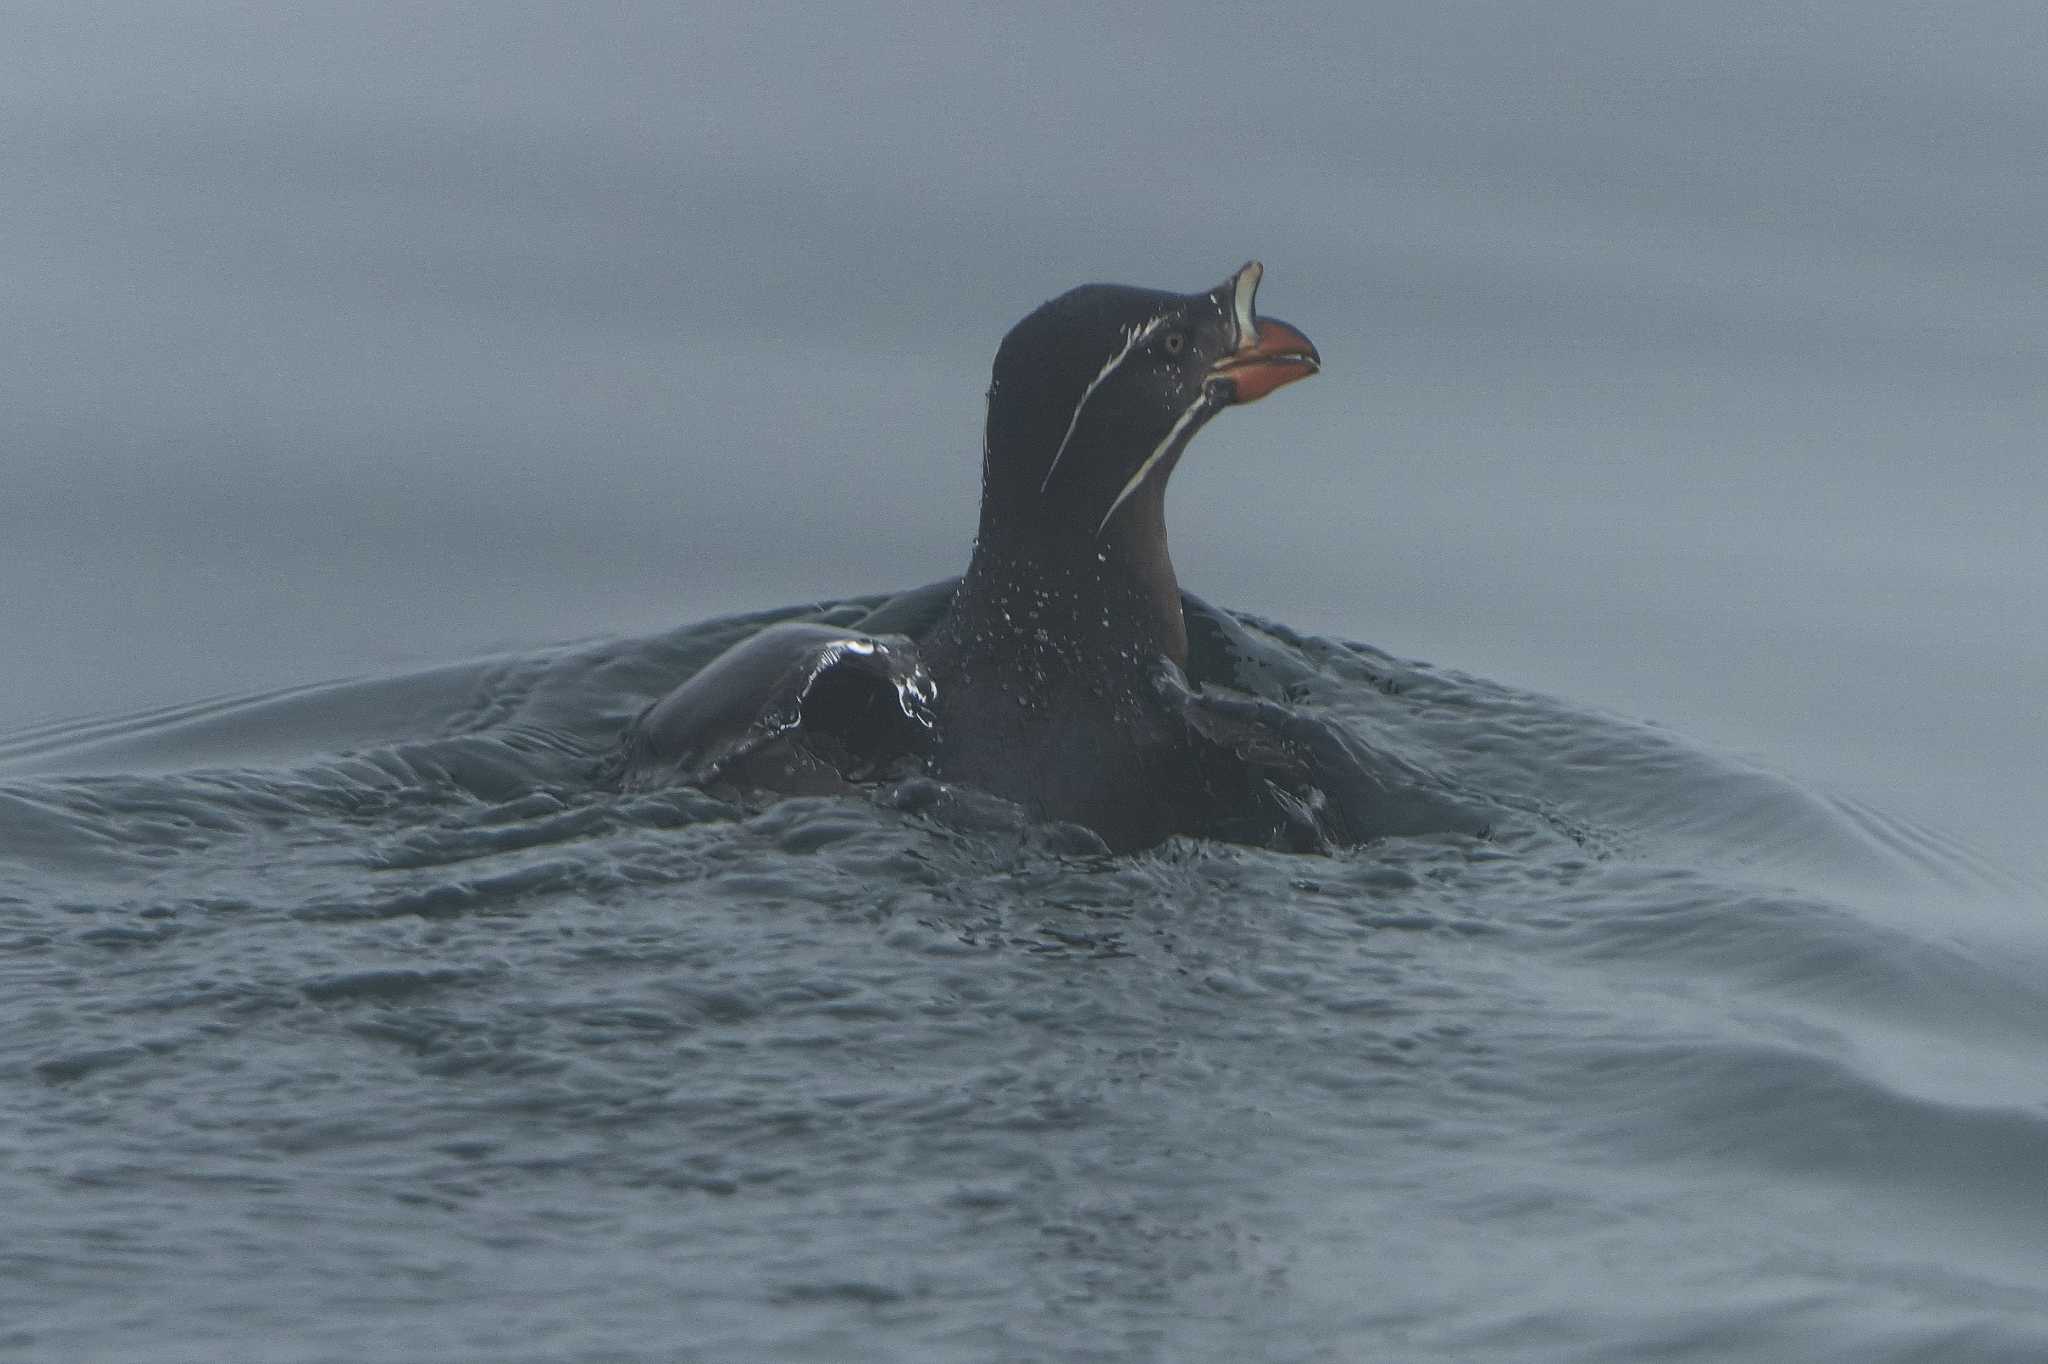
{"type": "Point", "coordinates": [1045, 662]}
{"type": "Point", "coordinates": [1050, 675]}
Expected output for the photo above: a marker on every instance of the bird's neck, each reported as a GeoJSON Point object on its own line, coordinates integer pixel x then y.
{"type": "Point", "coordinates": [1106, 603]}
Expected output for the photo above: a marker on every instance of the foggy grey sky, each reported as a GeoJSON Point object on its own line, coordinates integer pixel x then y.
{"type": "Point", "coordinates": [1683, 360]}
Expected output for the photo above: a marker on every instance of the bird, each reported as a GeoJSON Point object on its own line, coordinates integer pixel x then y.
{"type": "Point", "coordinates": [1046, 662]}
{"type": "Point", "coordinates": [1052, 675]}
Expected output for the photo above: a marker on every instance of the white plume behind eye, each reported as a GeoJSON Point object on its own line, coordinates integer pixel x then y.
{"type": "Point", "coordinates": [1241, 299]}
{"type": "Point", "coordinates": [1134, 338]}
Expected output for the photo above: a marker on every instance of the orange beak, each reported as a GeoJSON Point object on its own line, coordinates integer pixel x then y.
{"type": "Point", "coordinates": [1277, 355]}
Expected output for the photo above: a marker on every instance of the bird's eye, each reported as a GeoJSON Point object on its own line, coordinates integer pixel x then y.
{"type": "Point", "coordinates": [1175, 342]}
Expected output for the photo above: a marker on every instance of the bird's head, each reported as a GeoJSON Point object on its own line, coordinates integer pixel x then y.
{"type": "Point", "coordinates": [1095, 395]}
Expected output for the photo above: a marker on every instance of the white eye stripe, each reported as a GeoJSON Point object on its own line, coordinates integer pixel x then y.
{"type": "Point", "coordinates": [1159, 452]}
{"type": "Point", "coordinates": [1133, 339]}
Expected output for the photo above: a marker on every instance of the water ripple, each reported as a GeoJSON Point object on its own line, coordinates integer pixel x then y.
{"type": "Point", "coordinates": [375, 993]}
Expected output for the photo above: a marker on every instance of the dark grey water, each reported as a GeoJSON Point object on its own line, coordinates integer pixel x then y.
{"type": "Point", "coordinates": [358, 1022]}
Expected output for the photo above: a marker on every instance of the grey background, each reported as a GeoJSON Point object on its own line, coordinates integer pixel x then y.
{"type": "Point", "coordinates": [1684, 360]}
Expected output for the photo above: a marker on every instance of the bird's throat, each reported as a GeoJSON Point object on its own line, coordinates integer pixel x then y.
{"type": "Point", "coordinates": [1100, 606]}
